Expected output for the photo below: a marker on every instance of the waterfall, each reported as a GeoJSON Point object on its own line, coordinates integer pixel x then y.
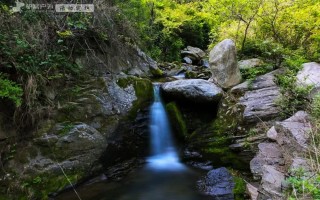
{"type": "Point", "coordinates": [163, 153]}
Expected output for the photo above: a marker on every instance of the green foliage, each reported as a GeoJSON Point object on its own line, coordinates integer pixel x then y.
{"type": "Point", "coordinates": [10, 90]}
{"type": "Point", "coordinates": [239, 189]}
{"type": "Point", "coordinates": [303, 185]}
{"type": "Point", "coordinates": [260, 28]}
{"type": "Point", "coordinates": [293, 97]}
{"type": "Point", "coordinates": [252, 73]}
{"type": "Point", "coordinates": [315, 106]}
{"type": "Point", "coordinates": [67, 127]}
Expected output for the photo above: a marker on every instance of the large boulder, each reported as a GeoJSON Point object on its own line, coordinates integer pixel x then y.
{"type": "Point", "coordinates": [259, 98]}
{"type": "Point", "coordinates": [309, 76]}
{"type": "Point", "coordinates": [223, 64]}
{"type": "Point", "coordinates": [218, 183]}
{"type": "Point", "coordinates": [71, 150]}
{"type": "Point", "coordinates": [192, 90]}
{"type": "Point", "coordinates": [193, 53]}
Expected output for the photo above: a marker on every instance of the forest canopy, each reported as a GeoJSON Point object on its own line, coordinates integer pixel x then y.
{"type": "Point", "coordinates": [255, 25]}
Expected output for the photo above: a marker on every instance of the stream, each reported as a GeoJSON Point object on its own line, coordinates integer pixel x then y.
{"type": "Point", "coordinates": [163, 177]}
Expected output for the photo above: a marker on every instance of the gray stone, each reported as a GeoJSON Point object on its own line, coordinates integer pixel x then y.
{"type": "Point", "coordinates": [250, 63]}
{"type": "Point", "coordinates": [294, 132]}
{"type": "Point", "coordinates": [272, 134]}
{"type": "Point", "coordinates": [269, 154]}
{"type": "Point", "coordinates": [299, 163]}
{"type": "Point", "coordinates": [252, 191]}
{"type": "Point", "coordinates": [193, 53]}
{"type": "Point", "coordinates": [187, 60]}
{"type": "Point", "coordinates": [271, 183]}
{"type": "Point", "coordinates": [259, 102]}
{"type": "Point", "coordinates": [81, 140]}
{"type": "Point", "coordinates": [309, 75]}
{"type": "Point", "coordinates": [194, 90]}
{"type": "Point", "coordinates": [263, 81]}
{"type": "Point", "coordinates": [223, 64]}
{"type": "Point", "coordinates": [219, 184]}
{"type": "Point", "coordinates": [205, 63]}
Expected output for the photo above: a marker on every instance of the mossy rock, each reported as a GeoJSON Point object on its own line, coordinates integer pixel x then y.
{"type": "Point", "coordinates": [143, 89]}
{"type": "Point", "coordinates": [177, 121]}
{"type": "Point", "coordinates": [228, 117]}
{"type": "Point", "coordinates": [42, 185]}
{"type": "Point", "coordinates": [156, 72]}
{"type": "Point", "coordinates": [191, 74]}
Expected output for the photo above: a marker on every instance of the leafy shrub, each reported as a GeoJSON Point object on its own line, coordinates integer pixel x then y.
{"type": "Point", "coordinates": [269, 50]}
{"type": "Point", "coordinates": [10, 90]}
{"type": "Point", "coordinates": [315, 106]}
{"type": "Point", "coordinates": [252, 73]}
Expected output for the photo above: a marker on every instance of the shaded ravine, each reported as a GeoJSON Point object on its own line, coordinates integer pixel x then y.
{"type": "Point", "coordinates": [162, 177]}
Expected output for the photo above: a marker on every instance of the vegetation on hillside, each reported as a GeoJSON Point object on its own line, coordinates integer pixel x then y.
{"type": "Point", "coordinates": [38, 50]}
{"type": "Point", "coordinates": [270, 28]}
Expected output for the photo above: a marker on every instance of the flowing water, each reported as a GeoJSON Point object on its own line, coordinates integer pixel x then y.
{"type": "Point", "coordinates": [163, 177]}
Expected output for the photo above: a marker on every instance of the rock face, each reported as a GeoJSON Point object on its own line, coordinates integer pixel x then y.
{"type": "Point", "coordinates": [282, 156]}
{"type": "Point", "coordinates": [268, 154]}
{"type": "Point", "coordinates": [193, 53]}
{"type": "Point", "coordinates": [309, 76]}
{"type": "Point", "coordinates": [223, 64]}
{"type": "Point", "coordinates": [292, 134]}
{"type": "Point", "coordinates": [192, 90]}
{"type": "Point", "coordinates": [218, 183]}
{"type": "Point", "coordinates": [75, 139]}
{"type": "Point", "coordinates": [250, 63]}
{"type": "Point", "coordinates": [259, 98]}
{"type": "Point", "coordinates": [271, 183]}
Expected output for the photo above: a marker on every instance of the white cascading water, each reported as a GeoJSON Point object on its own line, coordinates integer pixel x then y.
{"type": "Point", "coordinates": [164, 155]}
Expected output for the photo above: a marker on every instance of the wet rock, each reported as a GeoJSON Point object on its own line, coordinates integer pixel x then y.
{"type": "Point", "coordinates": [218, 183]}
{"type": "Point", "coordinates": [205, 63]}
{"type": "Point", "coordinates": [223, 64]}
{"type": "Point", "coordinates": [269, 154]}
{"type": "Point", "coordinates": [271, 183]}
{"type": "Point", "coordinates": [193, 53]}
{"type": "Point", "coordinates": [250, 63]}
{"type": "Point", "coordinates": [187, 60]}
{"type": "Point", "coordinates": [192, 90]}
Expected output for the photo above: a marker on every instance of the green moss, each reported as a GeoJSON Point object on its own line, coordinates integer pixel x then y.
{"type": "Point", "coordinates": [143, 89]}
{"type": "Point", "coordinates": [177, 121]}
{"type": "Point", "coordinates": [228, 116]}
{"type": "Point", "coordinates": [156, 72]}
{"type": "Point", "coordinates": [239, 189]}
{"type": "Point", "coordinates": [191, 74]}
{"type": "Point", "coordinates": [42, 185]}
{"type": "Point", "coordinates": [66, 128]}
